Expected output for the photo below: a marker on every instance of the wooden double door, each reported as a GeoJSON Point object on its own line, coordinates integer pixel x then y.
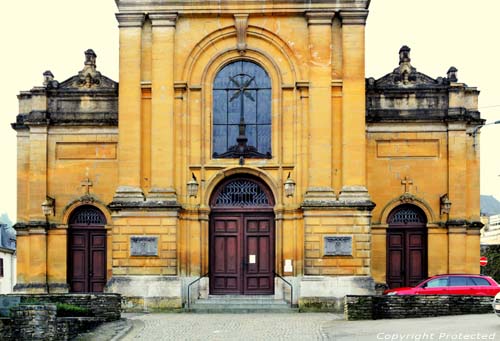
{"type": "Point", "coordinates": [406, 251]}
{"type": "Point", "coordinates": [242, 253]}
{"type": "Point", "coordinates": [87, 250]}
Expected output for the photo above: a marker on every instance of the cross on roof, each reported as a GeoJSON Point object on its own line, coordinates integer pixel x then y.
{"type": "Point", "coordinates": [407, 182]}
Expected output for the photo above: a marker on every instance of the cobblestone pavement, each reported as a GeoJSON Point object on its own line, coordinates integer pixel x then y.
{"type": "Point", "coordinates": [230, 326]}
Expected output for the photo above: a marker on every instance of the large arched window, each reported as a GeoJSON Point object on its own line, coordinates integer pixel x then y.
{"type": "Point", "coordinates": [242, 112]}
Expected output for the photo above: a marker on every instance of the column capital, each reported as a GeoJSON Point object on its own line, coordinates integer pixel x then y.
{"type": "Point", "coordinates": [319, 18]}
{"type": "Point", "coordinates": [130, 19]}
{"type": "Point", "coordinates": [351, 17]}
{"type": "Point", "coordinates": [163, 19]}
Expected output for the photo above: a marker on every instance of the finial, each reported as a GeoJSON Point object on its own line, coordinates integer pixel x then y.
{"type": "Point", "coordinates": [90, 58]}
{"type": "Point", "coordinates": [452, 74]}
{"type": "Point", "coordinates": [404, 54]}
{"type": "Point", "coordinates": [47, 77]}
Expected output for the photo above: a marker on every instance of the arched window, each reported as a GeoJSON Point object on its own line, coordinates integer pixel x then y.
{"type": "Point", "coordinates": [87, 215]}
{"type": "Point", "coordinates": [407, 214]}
{"type": "Point", "coordinates": [242, 112]}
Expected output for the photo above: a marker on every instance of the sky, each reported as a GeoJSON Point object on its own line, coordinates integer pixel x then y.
{"type": "Point", "coordinates": [53, 34]}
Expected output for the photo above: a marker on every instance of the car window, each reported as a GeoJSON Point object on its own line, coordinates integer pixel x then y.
{"type": "Point", "coordinates": [457, 281]}
{"type": "Point", "coordinates": [479, 281]}
{"type": "Point", "coordinates": [437, 282]}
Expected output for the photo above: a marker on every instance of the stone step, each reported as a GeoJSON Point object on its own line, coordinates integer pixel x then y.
{"type": "Point", "coordinates": [241, 310]}
{"type": "Point", "coordinates": [240, 304]}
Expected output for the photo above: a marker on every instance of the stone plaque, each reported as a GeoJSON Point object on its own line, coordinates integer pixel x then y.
{"type": "Point", "coordinates": [143, 246]}
{"type": "Point", "coordinates": [338, 246]}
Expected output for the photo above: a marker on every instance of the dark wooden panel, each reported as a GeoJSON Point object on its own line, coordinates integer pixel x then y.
{"type": "Point", "coordinates": [87, 258]}
{"type": "Point", "coordinates": [406, 256]}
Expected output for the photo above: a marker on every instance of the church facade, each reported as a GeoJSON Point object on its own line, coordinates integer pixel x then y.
{"type": "Point", "coordinates": [244, 146]}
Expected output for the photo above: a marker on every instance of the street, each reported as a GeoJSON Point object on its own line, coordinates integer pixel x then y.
{"type": "Point", "coordinates": [308, 326]}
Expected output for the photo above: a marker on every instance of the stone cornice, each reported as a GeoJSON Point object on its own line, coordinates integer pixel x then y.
{"type": "Point", "coordinates": [229, 7]}
{"type": "Point", "coordinates": [163, 19]}
{"type": "Point", "coordinates": [130, 19]}
{"type": "Point", "coordinates": [354, 17]}
{"type": "Point", "coordinates": [319, 18]}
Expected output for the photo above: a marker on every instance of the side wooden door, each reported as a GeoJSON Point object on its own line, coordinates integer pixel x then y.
{"type": "Point", "coordinates": [87, 250]}
{"type": "Point", "coordinates": [406, 247]}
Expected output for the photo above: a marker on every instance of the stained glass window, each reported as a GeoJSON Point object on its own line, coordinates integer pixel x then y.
{"type": "Point", "coordinates": [242, 112]}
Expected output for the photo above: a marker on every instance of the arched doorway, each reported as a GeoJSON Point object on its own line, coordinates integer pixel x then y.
{"type": "Point", "coordinates": [242, 254]}
{"type": "Point", "coordinates": [406, 246]}
{"type": "Point", "coordinates": [87, 250]}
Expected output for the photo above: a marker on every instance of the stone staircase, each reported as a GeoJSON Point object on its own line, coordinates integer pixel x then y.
{"type": "Point", "coordinates": [240, 304]}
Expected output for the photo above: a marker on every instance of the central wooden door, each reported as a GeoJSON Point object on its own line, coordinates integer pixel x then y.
{"type": "Point", "coordinates": [87, 251]}
{"type": "Point", "coordinates": [406, 247]}
{"type": "Point", "coordinates": [242, 241]}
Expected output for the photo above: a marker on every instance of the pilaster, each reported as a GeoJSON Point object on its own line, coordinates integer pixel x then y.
{"type": "Point", "coordinates": [457, 169]}
{"type": "Point", "coordinates": [162, 108]}
{"type": "Point", "coordinates": [320, 108]}
{"type": "Point", "coordinates": [353, 107]}
{"type": "Point", "coordinates": [129, 108]}
{"type": "Point", "coordinates": [37, 171]}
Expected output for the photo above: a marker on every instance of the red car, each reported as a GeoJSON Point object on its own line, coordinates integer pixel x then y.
{"type": "Point", "coordinates": [475, 285]}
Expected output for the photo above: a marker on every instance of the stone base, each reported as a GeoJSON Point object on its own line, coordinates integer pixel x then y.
{"type": "Point", "coordinates": [128, 194]}
{"type": "Point", "coordinates": [58, 288]}
{"type": "Point", "coordinates": [31, 288]}
{"type": "Point", "coordinates": [354, 194]}
{"type": "Point", "coordinates": [162, 196]}
{"type": "Point", "coordinates": [319, 196]}
{"type": "Point", "coordinates": [147, 293]}
{"type": "Point", "coordinates": [338, 286]}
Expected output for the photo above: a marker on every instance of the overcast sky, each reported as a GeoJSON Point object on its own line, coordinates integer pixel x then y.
{"type": "Point", "coordinates": [53, 34]}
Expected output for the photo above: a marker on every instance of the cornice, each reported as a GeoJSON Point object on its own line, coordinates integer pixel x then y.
{"type": "Point", "coordinates": [354, 17]}
{"type": "Point", "coordinates": [130, 19]}
{"type": "Point", "coordinates": [319, 18]}
{"type": "Point", "coordinates": [163, 19]}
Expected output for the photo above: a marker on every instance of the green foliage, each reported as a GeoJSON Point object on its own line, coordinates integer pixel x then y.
{"type": "Point", "coordinates": [71, 310]}
{"type": "Point", "coordinates": [31, 300]}
{"type": "Point", "coordinates": [493, 267]}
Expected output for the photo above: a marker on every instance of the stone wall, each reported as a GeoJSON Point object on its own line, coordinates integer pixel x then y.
{"type": "Point", "coordinates": [34, 317]}
{"type": "Point", "coordinates": [103, 306]}
{"type": "Point", "coordinates": [387, 307]}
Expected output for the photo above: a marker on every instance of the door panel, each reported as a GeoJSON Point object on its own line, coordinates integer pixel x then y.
{"type": "Point", "coordinates": [225, 258]}
{"type": "Point", "coordinates": [259, 277]}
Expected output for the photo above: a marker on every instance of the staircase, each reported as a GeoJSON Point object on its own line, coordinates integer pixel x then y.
{"type": "Point", "coordinates": [231, 304]}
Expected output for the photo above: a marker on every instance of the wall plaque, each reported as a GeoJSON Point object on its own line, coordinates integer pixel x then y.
{"type": "Point", "coordinates": [338, 246]}
{"type": "Point", "coordinates": [143, 246]}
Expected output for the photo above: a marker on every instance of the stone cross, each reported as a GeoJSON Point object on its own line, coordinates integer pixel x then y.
{"type": "Point", "coordinates": [407, 182]}
{"type": "Point", "coordinates": [86, 182]}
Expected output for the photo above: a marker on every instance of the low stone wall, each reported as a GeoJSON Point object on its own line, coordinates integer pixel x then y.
{"type": "Point", "coordinates": [321, 304]}
{"type": "Point", "coordinates": [34, 317]}
{"type": "Point", "coordinates": [103, 306]}
{"type": "Point", "coordinates": [410, 306]}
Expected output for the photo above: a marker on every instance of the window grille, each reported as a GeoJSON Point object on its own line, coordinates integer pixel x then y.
{"type": "Point", "coordinates": [241, 193]}
{"type": "Point", "coordinates": [88, 215]}
{"type": "Point", "coordinates": [407, 215]}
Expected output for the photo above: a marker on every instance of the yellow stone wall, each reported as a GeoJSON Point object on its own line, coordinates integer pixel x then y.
{"type": "Point", "coordinates": [315, 60]}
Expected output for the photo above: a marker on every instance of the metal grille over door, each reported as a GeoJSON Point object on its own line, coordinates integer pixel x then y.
{"type": "Point", "coordinates": [242, 193]}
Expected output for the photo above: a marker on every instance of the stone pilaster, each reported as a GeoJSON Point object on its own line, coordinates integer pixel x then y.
{"type": "Point", "coordinates": [353, 107]}
{"type": "Point", "coordinates": [129, 108]}
{"type": "Point", "coordinates": [457, 170]}
{"type": "Point", "coordinates": [162, 109]}
{"type": "Point", "coordinates": [320, 109]}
